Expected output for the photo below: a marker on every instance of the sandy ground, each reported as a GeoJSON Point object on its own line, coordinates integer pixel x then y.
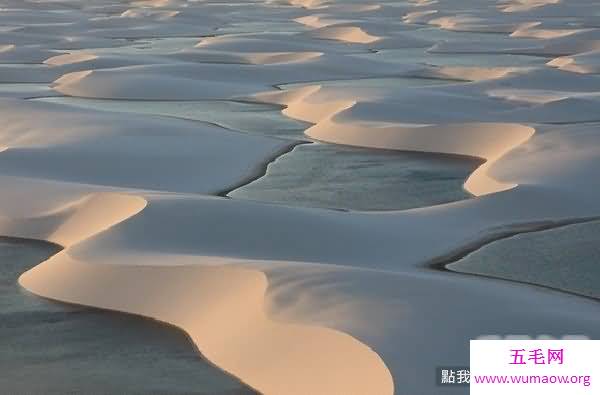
{"type": "Point", "coordinates": [296, 300]}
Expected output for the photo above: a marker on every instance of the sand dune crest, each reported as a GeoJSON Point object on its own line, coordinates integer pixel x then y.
{"type": "Point", "coordinates": [221, 309]}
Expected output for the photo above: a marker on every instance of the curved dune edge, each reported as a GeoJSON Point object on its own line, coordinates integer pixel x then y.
{"type": "Point", "coordinates": [221, 308]}
{"type": "Point", "coordinates": [7, 47]}
{"type": "Point", "coordinates": [531, 30]}
{"type": "Point", "coordinates": [316, 21]}
{"type": "Point", "coordinates": [583, 63]}
{"type": "Point", "coordinates": [308, 4]}
{"type": "Point", "coordinates": [200, 54]}
{"type": "Point", "coordinates": [279, 57]}
{"type": "Point", "coordinates": [464, 73]}
{"type": "Point", "coordinates": [73, 78]}
{"type": "Point", "coordinates": [69, 58]}
{"type": "Point", "coordinates": [349, 34]}
{"type": "Point", "coordinates": [525, 5]}
{"type": "Point", "coordinates": [76, 221]}
{"type": "Point", "coordinates": [140, 13]}
{"type": "Point", "coordinates": [489, 141]}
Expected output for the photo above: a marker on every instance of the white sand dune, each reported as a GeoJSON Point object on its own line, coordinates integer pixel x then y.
{"type": "Point", "coordinates": [585, 63]}
{"type": "Point", "coordinates": [489, 141]}
{"type": "Point", "coordinates": [299, 300]}
{"type": "Point", "coordinates": [68, 277]}
{"type": "Point", "coordinates": [349, 34]}
{"type": "Point", "coordinates": [318, 21]}
{"type": "Point", "coordinates": [308, 3]}
{"type": "Point", "coordinates": [532, 30]}
{"type": "Point", "coordinates": [21, 54]}
{"type": "Point", "coordinates": [527, 5]}
{"type": "Point", "coordinates": [209, 56]}
{"type": "Point", "coordinates": [467, 73]}
{"type": "Point", "coordinates": [221, 308]}
{"type": "Point", "coordinates": [50, 141]}
{"type": "Point", "coordinates": [207, 80]}
{"type": "Point", "coordinates": [69, 59]}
